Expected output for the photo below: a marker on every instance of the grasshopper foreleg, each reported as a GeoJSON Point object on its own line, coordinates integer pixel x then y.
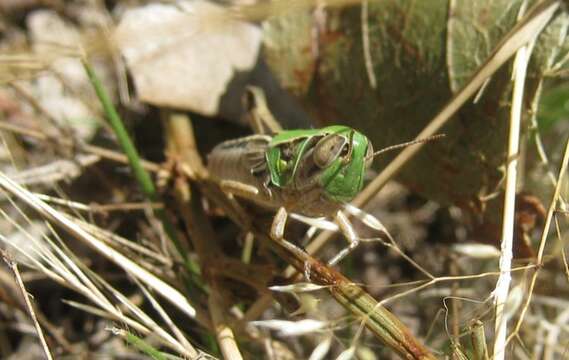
{"type": "Point", "coordinates": [238, 188]}
{"type": "Point", "coordinates": [278, 225]}
{"type": "Point", "coordinates": [231, 188]}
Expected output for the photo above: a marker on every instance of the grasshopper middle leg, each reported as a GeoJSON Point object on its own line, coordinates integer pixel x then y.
{"type": "Point", "coordinates": [346, 228]}
{"type": "Point", "coordinates": [348, 231]}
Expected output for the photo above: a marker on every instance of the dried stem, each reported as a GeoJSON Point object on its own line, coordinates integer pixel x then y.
{"type": "Point", "coordinates": [181, 145]}
{"type": "Point", "coordinates": [92, 149]}
{"type": "Point", "coordinates": [383, 324]}
{"type": "Point", "coordinates": [543, 240]}
{"type": "Point", "coordinates": [14, 267]}
{"type": "Point", "coordinates": [506, 247]}
{"type": "Point", "coordinates": [169, 292]}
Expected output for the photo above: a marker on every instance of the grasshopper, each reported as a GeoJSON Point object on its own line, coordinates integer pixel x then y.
{"type": "Point", "coordinates": [310, 172]}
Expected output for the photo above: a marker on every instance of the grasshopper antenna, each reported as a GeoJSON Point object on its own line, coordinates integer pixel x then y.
{"type": "Point", "coordinates": [398, 146]}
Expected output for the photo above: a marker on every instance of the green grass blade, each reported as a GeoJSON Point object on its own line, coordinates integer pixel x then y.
{"type": "Point", "coordinates": [144, 347]}
{"type": "Point", "coordinates": [123, 138]}
{"type": "Point", "coordinates": [141, 175]}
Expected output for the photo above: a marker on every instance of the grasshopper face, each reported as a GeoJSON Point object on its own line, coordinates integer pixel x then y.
{"type": "Point", "coordinates": [334, 158]}
{"type": "Point", "coordinates": [345, 165]}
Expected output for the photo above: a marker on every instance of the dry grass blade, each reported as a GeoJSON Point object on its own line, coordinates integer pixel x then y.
{"type": "Point", "coordinates": [92, 149]}
{"type": "Point", "coordinates": [166, 290]}
{"type": "Point", "coordinates": [543, 240]}
{"type": "Point", "coordinates": [167, 319]}
{"type": "Point", "coordinates": [182, 144]}
{"type": "Point", "coordinates": [503, 284]}
{"type": "Point", "coordinates": [14, 267]}
{"type": "Point", "coordinates": [55, 261]}
{"type": "Point", "coordinates": [478, 336]}
{"type": "Point", "coordinates": [128, 246]}
{"type": "Point", "coordinates": [224, 333]}
{"type": "Point", "coordinates": [55, 171]}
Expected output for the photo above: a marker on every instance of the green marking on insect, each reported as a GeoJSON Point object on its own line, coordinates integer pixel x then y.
{"type": "Point", "coordinates": [336, 154]}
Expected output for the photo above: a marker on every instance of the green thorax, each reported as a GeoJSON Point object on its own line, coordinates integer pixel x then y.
{"type": "Point", "coordinates": [291, 164]}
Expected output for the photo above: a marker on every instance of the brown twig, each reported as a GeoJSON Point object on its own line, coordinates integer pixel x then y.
{"type": "Point", "coordinates": [381, 322]}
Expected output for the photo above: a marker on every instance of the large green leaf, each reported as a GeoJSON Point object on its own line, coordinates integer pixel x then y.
{"type": "Point", "coordinates": [421, 52]}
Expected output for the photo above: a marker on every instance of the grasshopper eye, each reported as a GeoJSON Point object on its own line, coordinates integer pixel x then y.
{"type": "Point", "coordinates": [329, 148]}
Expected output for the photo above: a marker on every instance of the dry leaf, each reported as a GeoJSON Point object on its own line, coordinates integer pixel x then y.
{"type": "Point", "coordinates": [185, 56]}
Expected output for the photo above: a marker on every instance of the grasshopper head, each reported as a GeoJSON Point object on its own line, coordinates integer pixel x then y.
{"type": "Point", "coordinates": [334, 159]}
{"type": "Point", "coordinates": [343, 155]}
